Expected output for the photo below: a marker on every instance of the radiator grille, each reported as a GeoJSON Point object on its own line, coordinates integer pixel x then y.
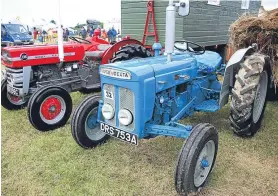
{"type": "Point", "coordinates": [126, 101]}
{"type": "Point", "coordinates": [111, 88]}
{"type": "Point", "coordinates": [15, 77]}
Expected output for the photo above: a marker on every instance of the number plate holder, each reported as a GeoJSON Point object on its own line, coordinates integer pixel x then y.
{"type": "Point", "coordinates": [108, 94]}
{"type": "Point", "coordinates": [120, 134]}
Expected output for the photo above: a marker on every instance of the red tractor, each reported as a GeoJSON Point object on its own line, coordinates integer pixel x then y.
{"type": "Point", "coordinates": [35, 75]}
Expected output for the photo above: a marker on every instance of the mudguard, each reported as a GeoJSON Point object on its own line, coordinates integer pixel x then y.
{"type": "Point", "coordinates": [230, 72]}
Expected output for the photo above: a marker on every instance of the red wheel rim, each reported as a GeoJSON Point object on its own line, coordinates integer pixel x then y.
{"type": "Point", "coordinates": [51, 108]}
{"type": "Point", "coordinates": [15, 98]}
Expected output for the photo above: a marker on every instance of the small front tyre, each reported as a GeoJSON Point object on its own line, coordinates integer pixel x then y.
{"type": "Point", "coordinates": [84, 126]}
{"type": "Point", "coordinates": [9, 101]}
{"type": "Point", "coordinates": [196, 159]}
{"type": "Point", "coordinates": [49, 108]}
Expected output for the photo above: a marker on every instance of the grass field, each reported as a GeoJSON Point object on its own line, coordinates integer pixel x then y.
{"type": "Point", "coordinates": [35, 163]}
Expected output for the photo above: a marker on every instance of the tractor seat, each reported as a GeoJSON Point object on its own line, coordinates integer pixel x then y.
{"type": "Point", "coordinates": [208, 62]}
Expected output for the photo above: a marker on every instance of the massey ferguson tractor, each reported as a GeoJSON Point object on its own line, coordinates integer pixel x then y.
{"type": "Point", "coordinates": [35, 74]}
{"type": "Point", "coordinates": [146, 98]}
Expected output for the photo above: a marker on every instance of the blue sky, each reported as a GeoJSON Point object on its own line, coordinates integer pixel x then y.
{"type": "Point", "coordinates": [72, 12]}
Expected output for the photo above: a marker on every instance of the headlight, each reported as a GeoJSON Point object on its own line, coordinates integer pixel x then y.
{"type": "Point", "coordinates": [125, 117]}
{"type": "Point", "coordinates": [107, 111]}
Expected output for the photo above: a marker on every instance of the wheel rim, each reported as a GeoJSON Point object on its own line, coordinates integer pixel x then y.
{"type": "Point", "coordinates": [92, 126]}
{"type": "Point", "coordinates": [52, 109]}
{"type": "Point", "coordinates": [260, 97]}
{"type": "Point", "coordinates": [15, 99]}
{"type": "Point", "coordinates": [204, 163]}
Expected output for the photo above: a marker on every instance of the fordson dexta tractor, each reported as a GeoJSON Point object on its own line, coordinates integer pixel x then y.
{"type": "Point", "coordinates": [36, 74]}
{"type": "Point", "coordinates": [145, 98]}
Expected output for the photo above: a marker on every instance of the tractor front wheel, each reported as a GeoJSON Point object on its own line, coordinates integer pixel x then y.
{"type": "Point", "coordinates": [249, 96]}
{"type": "Point", "coordinates": [84, 126]}
{"type": "Point", "coordinates": [196, 159]}
{"type": "Point", "coordinates": [9, 101]}
{"type": "Point", "coordinates": [49, 108]}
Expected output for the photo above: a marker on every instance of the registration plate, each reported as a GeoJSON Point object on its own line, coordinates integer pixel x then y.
{"type": "Point", "coordinates": [12, 90]}
{"type": "Point", "coordinates": [120, 134]}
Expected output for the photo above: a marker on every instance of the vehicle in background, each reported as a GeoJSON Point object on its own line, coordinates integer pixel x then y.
{"type": "Point", "coordinates": [78, 28]}
{"type": "Point", "coordinates": [15, 34]}
{"type": "Point", "coordinates": [72, 32]}
{"type": "Point", "coordinates": [92, 24]}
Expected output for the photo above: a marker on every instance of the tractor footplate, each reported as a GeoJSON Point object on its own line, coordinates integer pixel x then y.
{"type": "Point", "coordinates": [208, 106]}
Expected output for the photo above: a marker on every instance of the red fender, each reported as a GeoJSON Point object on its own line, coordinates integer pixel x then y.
{"type": "Point", "coordinates": [108, 54]}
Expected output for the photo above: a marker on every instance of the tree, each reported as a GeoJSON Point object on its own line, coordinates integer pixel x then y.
{"type": "Point", "coordinates": [52, 21]}
{"type": "Point", "coordinates": [77, 26]}
{"type": "Point", "coordinates": [101, 25]}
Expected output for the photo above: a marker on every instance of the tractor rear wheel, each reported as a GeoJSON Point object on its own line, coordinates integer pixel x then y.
{"type": "Point", "coordinates": [196, 159]}
{"type": "Point", "coordinates": [84, 126]}
{"type": "Point", "coordinates": [49, 108]}
{"type": "Point", "coordinates": [128, 52]}
{"type": "Point", "coordinates": [272, 94]}
{"type": "Point", "coordinates": [9, 101]}
{"type": "Point", "coordinates": [249, 96]}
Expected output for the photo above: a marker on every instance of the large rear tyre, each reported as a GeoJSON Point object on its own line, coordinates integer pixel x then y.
{"type": "Point", "coordinates": [249, 96]}
{"type": "Point", "coordinates": [196, 159]}
{"type": "Point", "coordinates": [49, 108]}
{"type": "Point", "coordinates": [84, 126]}
{"type": "Point", "coordinates": [9, 101]}
{"type": "Point", "coordinates": [128, 52]}
{"type": "Point", "coordinates": [272, 95]}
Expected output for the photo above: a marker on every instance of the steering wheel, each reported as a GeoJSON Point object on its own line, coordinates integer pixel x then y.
{"type": "Point", "coordinates": [80, 40]}
{"type": "Point", "coordinates": [184, 46]}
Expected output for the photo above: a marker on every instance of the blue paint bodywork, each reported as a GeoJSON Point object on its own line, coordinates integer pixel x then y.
{"type": "Point", "coordinates": [165, 92]}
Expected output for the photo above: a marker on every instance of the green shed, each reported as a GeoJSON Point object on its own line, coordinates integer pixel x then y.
{"type": "Point", "coordinates": [206, 24]}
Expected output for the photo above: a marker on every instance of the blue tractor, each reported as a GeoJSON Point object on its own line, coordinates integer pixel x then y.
{"type": "Point", "coordinates": [145, 98]}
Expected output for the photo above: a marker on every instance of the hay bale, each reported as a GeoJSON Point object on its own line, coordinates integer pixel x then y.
{"type": "Point", "coordinates": [262, 30]}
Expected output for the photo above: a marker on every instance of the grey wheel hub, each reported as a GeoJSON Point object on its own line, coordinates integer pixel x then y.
{"type": "Point", "coordinates": [204, 163]}
{"type": "Point", "coordinates": [92, 126]}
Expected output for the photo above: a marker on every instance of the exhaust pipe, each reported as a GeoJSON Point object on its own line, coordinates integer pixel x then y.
{"type": "Point", "coordinates": [170, 30]}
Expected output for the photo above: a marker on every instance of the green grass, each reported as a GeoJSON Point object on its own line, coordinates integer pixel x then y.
{"type": "Point", "coordinates": [35, 163]}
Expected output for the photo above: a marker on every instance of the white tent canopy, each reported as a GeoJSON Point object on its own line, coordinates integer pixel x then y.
{"type": "Point", "coordinates": [49, 26]}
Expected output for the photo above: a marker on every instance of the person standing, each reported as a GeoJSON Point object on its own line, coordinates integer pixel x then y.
{"type": "Point", "coordinates": [91, 32]}
{"type": "Point", "coordinates": [103, 34]}
{"type": "Point", "coordinates": [84, 33]}
{"type": "Point", "coordinates": [114, 34]}
{"type": "Point", "coordinates": [110, 35]}
{"type": "Point", "coordinates": [67, 34]}
{"type": "Point", "coordinates": [35, 33]}
{"type": "Point", "coordinates": [44, 35]}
